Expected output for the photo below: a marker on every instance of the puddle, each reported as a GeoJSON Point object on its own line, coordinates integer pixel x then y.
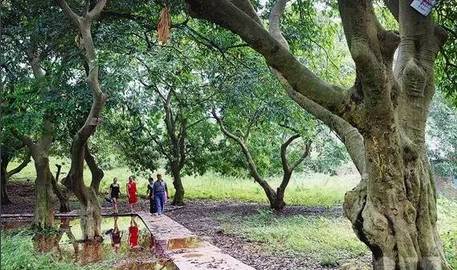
{"type": "Point", "coordinates": [125, 243]}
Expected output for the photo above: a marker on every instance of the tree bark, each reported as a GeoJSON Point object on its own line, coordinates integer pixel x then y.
{"type": "Point", "coordinates": [96, 172]}
{"type": "Point", "coordinates": [90, 208]}
{"type": "Point", "coordinates": [61, 195]}
{"type": "Point", "coordinates": [44, 212]}
{"type": "Point", "coordinates": [178, 198]}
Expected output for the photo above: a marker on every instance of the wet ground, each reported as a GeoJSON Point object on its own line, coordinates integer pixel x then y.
{"type": "Point", "coordinates": [201, 217]}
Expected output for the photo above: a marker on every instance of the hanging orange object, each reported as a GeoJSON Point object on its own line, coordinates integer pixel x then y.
{"type": "Point", "coordinates": [163, 27]}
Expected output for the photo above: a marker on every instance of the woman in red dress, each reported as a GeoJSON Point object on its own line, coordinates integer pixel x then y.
{"type": "Point", "coordinates": [132, 193]}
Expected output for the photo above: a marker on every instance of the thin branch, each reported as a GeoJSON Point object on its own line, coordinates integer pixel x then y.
{"type": "Point", "coordinates": [69, 12]}
{"type": "Point", "coordinates": [21, 166]}
{"type": "Point", "coordinates": [305, 154]}
{"type": "Point", "coordinates": [285, 163]}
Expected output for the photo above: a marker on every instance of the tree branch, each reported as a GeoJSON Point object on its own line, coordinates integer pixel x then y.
{"type": "Point", "coordinates": [285, 163]}
{"type": "Point", "coordinates": [95, 12]}
{"type": "Point", "coordinates": [228, 15]}
{"type": "Point", "coordinates": [21, 166]}
{"type": "Point", "coordinates": [251, 164]}
{"type": "Point", "coordinates": [69, 12]}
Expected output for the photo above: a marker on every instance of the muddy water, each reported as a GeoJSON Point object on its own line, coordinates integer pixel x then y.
{"type": "Point", "coordinates": [125, 243]}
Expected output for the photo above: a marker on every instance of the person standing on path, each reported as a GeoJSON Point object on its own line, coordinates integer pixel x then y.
{"type": "Point", "coordinates": [160, 192]}
{"type": "Point", "coordinates": [132, 193]}
{"type": "Point", "coordinates": [115, 191]}
{"type": "Point", "coordinates": [152, 205]}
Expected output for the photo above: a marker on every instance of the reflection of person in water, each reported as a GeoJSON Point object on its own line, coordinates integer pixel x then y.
{"type": "Point", "coordinates": [133, 233]}
{"type": "Point", "coordinates": [116, 236]}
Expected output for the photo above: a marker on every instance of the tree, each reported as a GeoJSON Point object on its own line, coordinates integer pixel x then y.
{"type": "Point", "coordinates": [276, 198]}
{"type": "Point", "coordinates": [387, 106]}
{"type": "Point", "coordinates": [33, 96]}
{"type": "Point", "coordinates": [90, 207]}
{"type": "Point", "coordinates": [164, 117]}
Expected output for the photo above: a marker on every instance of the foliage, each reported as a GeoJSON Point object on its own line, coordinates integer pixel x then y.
{"type": "Point", "coordinates": [442, 137]}
{"type": "Point", "coordinates": [446, 71]}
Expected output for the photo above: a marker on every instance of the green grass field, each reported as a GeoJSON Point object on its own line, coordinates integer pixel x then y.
{"type": "Point", "coordinates": [329, 240]}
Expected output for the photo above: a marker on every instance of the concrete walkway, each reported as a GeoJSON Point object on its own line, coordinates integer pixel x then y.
{"type": "Point", "coordinates": [187, 252]}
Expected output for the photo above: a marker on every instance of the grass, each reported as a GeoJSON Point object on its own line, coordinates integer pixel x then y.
{"type": "Point", "coordinates": [447, 227]}
{"type": "Point", "coordinates": [18, 253]}
{"type": "Point", "coordinates": [328, 240]}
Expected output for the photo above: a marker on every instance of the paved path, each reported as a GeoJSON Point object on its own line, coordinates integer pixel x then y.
{"type": "Point", "coordinates": [175, 242]}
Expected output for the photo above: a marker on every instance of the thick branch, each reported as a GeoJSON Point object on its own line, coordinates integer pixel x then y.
{"type": "Point", "coordinates": [275, 22]}
{"type": "Point", "coordinates": [95, 12]}
{"type": "Point", "coordinates": [96, 172]}
{"type": "Point", "coordinates": [347, 133]}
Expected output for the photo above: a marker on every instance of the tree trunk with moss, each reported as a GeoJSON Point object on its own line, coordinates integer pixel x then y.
{"type": "Point", "coordinates": [43, 217]}
{"type": "Point", "coordinates": [393, 209]}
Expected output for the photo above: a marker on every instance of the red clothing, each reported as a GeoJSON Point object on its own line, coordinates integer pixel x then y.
{"type": "Point", "coordinates": [133, 236]}
{"type": "Point", "coordinates": [131, 186]}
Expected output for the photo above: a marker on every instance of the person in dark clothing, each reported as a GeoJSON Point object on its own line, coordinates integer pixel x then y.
{"type": "Point", "coordinates": [115, 191]}
{"type": "Point", "coordinates": [152, 205]}
{"type": "Point", "coordinates": [160, 192]}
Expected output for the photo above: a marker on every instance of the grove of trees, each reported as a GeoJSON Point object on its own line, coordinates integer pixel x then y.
{"type": "Point", "coordinates": [237, 87]}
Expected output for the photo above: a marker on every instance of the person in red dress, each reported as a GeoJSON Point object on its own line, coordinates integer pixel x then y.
{"type": "Point", "coordinates": [133, 233]}
{"type": "Point", "coordinates": [132, 193]}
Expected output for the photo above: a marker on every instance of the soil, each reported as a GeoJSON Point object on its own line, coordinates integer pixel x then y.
{"type": "Point", "coordinates": [201, 217]}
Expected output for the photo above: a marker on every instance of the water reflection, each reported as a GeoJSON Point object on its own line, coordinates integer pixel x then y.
{"type": "Point", "coordinates": [65, 228]}
{"type": "Point", "coordinates": [64, 243]}
{"type": "Point", "coordinates": [115, 235]}
{"type": "Point", "coordinates": [133, 234]}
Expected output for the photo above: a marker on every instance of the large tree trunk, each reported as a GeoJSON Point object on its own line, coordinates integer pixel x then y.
{"type": "Point", "coordinates": [178, 198]}
{"type": "Point", "coordinates": [43, 217]}
{"type": "Point", "coordinates": [394, 211]}
{"type": "Point", "coordinates": [96, 172]}
{"type": "Point", "coordinates": [90, 211]}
